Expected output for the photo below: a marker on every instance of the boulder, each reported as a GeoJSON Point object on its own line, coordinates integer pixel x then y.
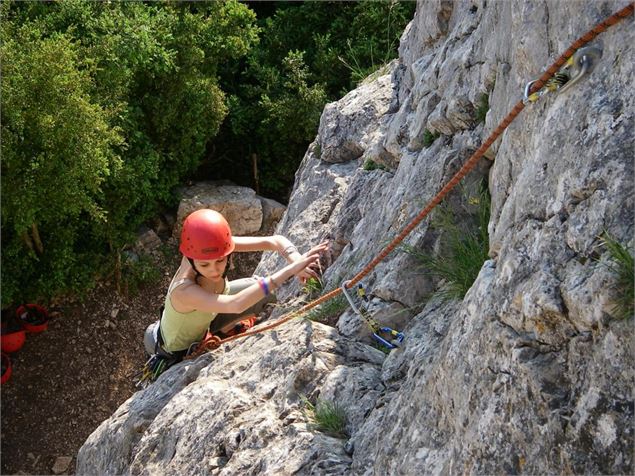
{"type": "Point", "coordinates": [239, 205]}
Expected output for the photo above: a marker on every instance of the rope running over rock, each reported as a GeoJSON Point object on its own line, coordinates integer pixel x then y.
{"type": "Point", "coordinates": [465, 169]}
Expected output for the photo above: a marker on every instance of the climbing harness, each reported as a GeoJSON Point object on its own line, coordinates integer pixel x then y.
{"type": "Point", "coordinates": [154, 366]}
{"type": "Point", "coordinates": [372, 323]}
{"type": "Point", "coordinates": [240, 327]}
{"type": "Point", "coordinates": [211, 341]}
{"type": "Point", "coordinates": [532, 88]}
{"type": "Point", "coordinates": [160, 361]}
{"type": "Point", "coordinates": [581, 64]}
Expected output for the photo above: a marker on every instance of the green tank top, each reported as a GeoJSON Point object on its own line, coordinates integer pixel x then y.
{"type": "Point", "coordinates": [179, 330]}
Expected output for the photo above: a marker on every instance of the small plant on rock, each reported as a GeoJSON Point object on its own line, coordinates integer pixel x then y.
{"type": "Point", "coordinates": [383, 348]}
{"type": "Point", "coordinates": [464, 248]}
{"type": "Point", "coordinates": [483, 107]}
{"type": "Point", "coordinates": [312, 287]}
{"type": "Point", "coordinates": [623, 266]}
{"type": "Point", "coordinates": [329, 311]}
{"type": "Point", "coordinates": [327, 417]}
{"type": "Point", "coordinates": [429, 137]}
{"type": "Point", "coordinates": [372, 165]}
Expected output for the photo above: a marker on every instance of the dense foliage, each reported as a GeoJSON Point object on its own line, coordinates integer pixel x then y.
{"type": "Point", "coordinates": [108, 106]}
{"type": "Point", "coordinates": [310, 53]}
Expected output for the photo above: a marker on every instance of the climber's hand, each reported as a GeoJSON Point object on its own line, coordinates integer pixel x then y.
{"type": "Point", "coordinates": [312, 268]}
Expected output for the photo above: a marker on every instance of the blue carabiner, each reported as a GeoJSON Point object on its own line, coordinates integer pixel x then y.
{"type": "Point", "coordinates": [398, 336]}
{"type": "Point", "coordinates": [394, 343]}
{"type": "Point", "coordinates": [383, 341]}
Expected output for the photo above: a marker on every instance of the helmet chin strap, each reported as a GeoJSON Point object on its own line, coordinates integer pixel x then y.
{"type": "Point", "coordinates": [195, 270]}
{"type": "Point", "coordinates": [230, 264]}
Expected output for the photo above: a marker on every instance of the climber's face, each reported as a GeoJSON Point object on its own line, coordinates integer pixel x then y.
{"type": "Point", "coordinates": [212, 269]}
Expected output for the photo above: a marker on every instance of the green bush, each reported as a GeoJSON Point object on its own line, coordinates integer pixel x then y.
{"type": "Point", "coordinates": [58, 151]}
{"type": "Point", "coordinates": [138, 273]}
{"type": "Point", "coordinates": [623, 266]}
{"type": "Point", "coordinates": [378, 27]}
{"type": "Point", "coordinates": [464, 247]}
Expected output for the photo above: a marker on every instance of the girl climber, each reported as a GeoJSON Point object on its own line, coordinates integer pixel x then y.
{"type": "Point", "coordinates": [200, 298]}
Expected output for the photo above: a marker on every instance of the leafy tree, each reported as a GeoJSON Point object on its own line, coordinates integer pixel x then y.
{"type": "Point", "coordinates": [58, 149]}
{"type": "Point", "coordinates": [310, 53]}
{"type": "Point", "coordinates": [378, 27]}
{"type": "Point", "coordinates": [277, 118]}
{"type": "Point", "coordinates": [106, 108]}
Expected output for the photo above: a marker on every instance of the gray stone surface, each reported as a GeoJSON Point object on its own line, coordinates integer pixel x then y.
{"type": "Point", "coordinates": [240, 410]}
{"type": "Point", "coordinates": [272, 213]}
{"type": "Point", "coordinates": [530, 373]}
{"type": "Point", "coordinates": [348, 126]}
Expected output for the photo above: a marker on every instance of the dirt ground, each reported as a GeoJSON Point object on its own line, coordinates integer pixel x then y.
{"type": "Point", "coordinates": [68, 379]}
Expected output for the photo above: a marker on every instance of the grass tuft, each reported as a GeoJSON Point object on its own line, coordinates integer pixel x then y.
{"type": "Point", "coordinates": [329, 311]}
{"type": "Point", "coordinates": [317, 150]}
{"type": "Point", "coordinates": [372, 165]}
{"type": "Point", "coordinates": [464, 248]}
{"type": "Point", "coordinates": [483, 107]}
{"type": "Point", "coordinates": [312, 287]}
{"type": "Point", "coordinates": [327, 417]}
{"type": "Point", "coordinates": [623, 266]}
{"type": "Point", "coordinates": [378, 346]}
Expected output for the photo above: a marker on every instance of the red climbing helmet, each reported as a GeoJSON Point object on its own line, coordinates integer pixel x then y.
{"type": "Point", "coordinates": [206, 235]}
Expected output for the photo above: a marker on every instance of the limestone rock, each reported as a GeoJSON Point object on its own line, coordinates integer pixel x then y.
{"type": "Point", "coordinates": [147, 240]}
{"type": "Point", "coordinates": [241, 407]}
{"type": "Point", "coordinates": [347, 126]}
{"type": "Point", "coordinates": [272, 212]}
{"type": "Point", "coordinates": [386, 314]}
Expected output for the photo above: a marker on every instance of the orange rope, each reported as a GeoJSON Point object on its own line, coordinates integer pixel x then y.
{"type": "Point", "coordinates": [467, 167]}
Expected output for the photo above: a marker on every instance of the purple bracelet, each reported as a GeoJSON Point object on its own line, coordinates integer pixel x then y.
{"type": "Point", "coordinates": [264, 286]}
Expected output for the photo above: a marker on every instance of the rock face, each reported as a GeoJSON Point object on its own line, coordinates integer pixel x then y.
{"type": "Point", "coordinates": [530, 372]}
{"type": "Point", "coordinates": [200, 415]}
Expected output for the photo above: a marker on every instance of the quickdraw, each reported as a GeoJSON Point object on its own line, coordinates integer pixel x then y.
{"type": "Point", "coordinates": [152, 369]}
{"type": "Point", "coordinates": [581, 64]}
{"type": "Point", "coordinates": [397, 337]}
